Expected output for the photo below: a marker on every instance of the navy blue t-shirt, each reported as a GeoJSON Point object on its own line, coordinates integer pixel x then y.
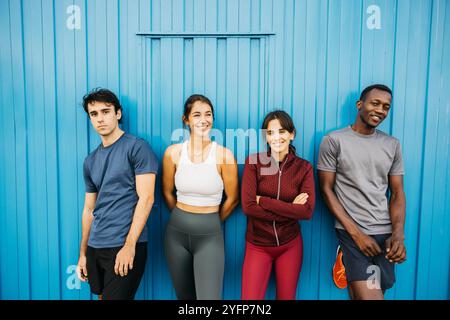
{"type": "Point", "coordinates": [110, 172]}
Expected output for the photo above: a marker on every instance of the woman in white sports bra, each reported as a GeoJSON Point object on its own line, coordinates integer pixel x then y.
{"type": "Point", "coordinates": [200, 170]}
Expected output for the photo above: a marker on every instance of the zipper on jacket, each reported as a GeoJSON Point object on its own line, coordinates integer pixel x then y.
{"type": "Point", "coordinates": [280, 171]}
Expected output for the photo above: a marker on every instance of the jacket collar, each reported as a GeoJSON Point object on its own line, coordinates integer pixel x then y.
{"type": "Point", "coordinates": [289, 157]}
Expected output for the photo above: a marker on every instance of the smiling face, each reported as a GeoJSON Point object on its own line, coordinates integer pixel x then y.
{"type": "Point", "coordinates": [200, 119]}
{"type": "Point", "coordinates": [103, 117]}
{"type": "Point", "coordinates": [375, 108]}
{"type": "Point", "coordinates": [278, 138]}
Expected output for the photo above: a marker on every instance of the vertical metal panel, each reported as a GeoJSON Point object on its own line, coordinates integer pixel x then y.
{"type": "Point", "coordinates": [433, 240]}
{"type": "Point", "coordinates": [321, 55]}
{"type": "Point", "coordinates": [16, 202]}
{"type": "Point", "coordinates": [409, 83]}
{"type": "Point", "coordinates": [8, 246]}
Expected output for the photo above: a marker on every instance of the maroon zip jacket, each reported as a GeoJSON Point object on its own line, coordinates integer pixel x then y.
{"type": "Point", "coordinates": [274, 221]}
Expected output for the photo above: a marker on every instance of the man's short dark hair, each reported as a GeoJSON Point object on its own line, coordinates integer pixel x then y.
{"type": "Point", "coordinates": [102, 95]}
{"type": "Point", "coordinates": [366, 91]}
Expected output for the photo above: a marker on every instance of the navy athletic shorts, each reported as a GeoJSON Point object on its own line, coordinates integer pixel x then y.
{"type": "Point", "coordinates": [359, 267]}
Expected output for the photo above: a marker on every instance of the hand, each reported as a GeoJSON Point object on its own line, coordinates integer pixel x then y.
{"type": "Point", "coordinates": [395, 248]}
{"type": "Point", "coordinates": [367, 245]}
{"type": "Point", "coordinates": [124, 260]}
{"type": "Point", "coordinates": [257, 199]}
{"type": "Point", "coordinates": [82, 269]}
{"type": "Point", "coordinates": [301, 198]}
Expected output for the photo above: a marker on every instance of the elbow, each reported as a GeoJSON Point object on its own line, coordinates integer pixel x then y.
{"type": "Point", "coordinates": [326, 194]}
{"type": "Point", "coordinates": [323, 189]}
{"type": "Point", "coordinates": [147, 200]}
{"type": "Point", "coordinates": [311, 207]}
{"type": "Point", "coordinates": [398, 195]}
{"type": "Point", "coordinates": [235, 202]}
{"type": "Point", "coordinates": [88, 213]}
{"type": "Point", "coordinates": [307, 212]}
{"type": "Point", "coordinates": [168, 196]}
{"type": "Point", "coordinates": [246, 207]}
{"type": "Point", "coordinates": [398, 198]}
{"type": "Point", "coordinates": [304, 215]}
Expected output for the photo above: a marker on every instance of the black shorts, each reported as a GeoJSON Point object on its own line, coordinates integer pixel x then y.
{"type": "Point", "coordinates": [359, 267]}
{"type": "Point", "coordinates": [102, 278]}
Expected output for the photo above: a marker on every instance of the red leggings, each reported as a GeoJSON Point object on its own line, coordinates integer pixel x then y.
{"type": "Point", "coordinates": [258, 265]}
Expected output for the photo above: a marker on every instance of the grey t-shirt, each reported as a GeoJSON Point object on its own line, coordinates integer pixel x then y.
{"type": "Point", "coordinates": [362, 164]}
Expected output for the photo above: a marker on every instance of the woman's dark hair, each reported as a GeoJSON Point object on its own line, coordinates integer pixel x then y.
{"type": "Point", "coordinates": [190, 103]}
{"type": "Point", "coordinates": [102, 95]}
{"type": "Point", "coordinates": [285, 122]}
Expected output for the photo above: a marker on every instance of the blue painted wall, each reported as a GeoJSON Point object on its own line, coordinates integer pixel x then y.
{"type": "Point", "coordinates": [310, 58]}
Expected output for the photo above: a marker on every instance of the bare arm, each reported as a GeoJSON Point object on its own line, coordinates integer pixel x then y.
{"type": "Point", "coordinates": [86, 222]}
{"type": "Point", "coordinates": [397, 207]}
{"type": "Point", "coordinates": [145, 189]}
{"type": "Point", "coordinates": [168, 177]}
{"type": "Point", "coordinates": [365, 243]}
{"type": "Point", "coordinates": [230, 179]}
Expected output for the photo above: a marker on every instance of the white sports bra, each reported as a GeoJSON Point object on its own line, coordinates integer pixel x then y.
{"type": "Point", "coordinates": [198, 184]}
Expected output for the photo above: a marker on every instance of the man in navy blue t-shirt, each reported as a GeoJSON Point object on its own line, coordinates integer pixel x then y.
{"type": "Point", "coordinates": [120, 181]}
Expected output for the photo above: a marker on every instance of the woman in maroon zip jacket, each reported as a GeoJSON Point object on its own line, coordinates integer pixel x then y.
{"type": "Point", "coordinates": [277, 191]}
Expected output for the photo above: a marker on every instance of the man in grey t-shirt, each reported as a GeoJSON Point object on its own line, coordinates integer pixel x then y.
{"type": "Point", "coordinates": [356, 166]}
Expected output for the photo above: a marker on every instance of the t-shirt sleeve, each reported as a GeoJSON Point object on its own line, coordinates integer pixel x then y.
{"type": "Point", "coordinates": [89, 184]}
{"type": "Point", "coordinates": [397, 165]}
{"type": "Point", "coordinates": [327, 160]}
{"type": "Point", "coordinates": [143, 158]}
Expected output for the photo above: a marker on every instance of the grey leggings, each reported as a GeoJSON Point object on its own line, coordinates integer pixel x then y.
{"type": "Point", "coordinates": [195, 254]}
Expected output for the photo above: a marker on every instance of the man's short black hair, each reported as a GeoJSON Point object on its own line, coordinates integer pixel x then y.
{"type": "Point", "coordinates": [102, 95]}
{"type": "Point", "coordinates": [366, 91]}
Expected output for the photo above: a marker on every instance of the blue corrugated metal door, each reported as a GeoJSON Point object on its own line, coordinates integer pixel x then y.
{"type": "Point", "coordinates": [228, 68]}
{"type": "Point", "coordinates": [308, 57]}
